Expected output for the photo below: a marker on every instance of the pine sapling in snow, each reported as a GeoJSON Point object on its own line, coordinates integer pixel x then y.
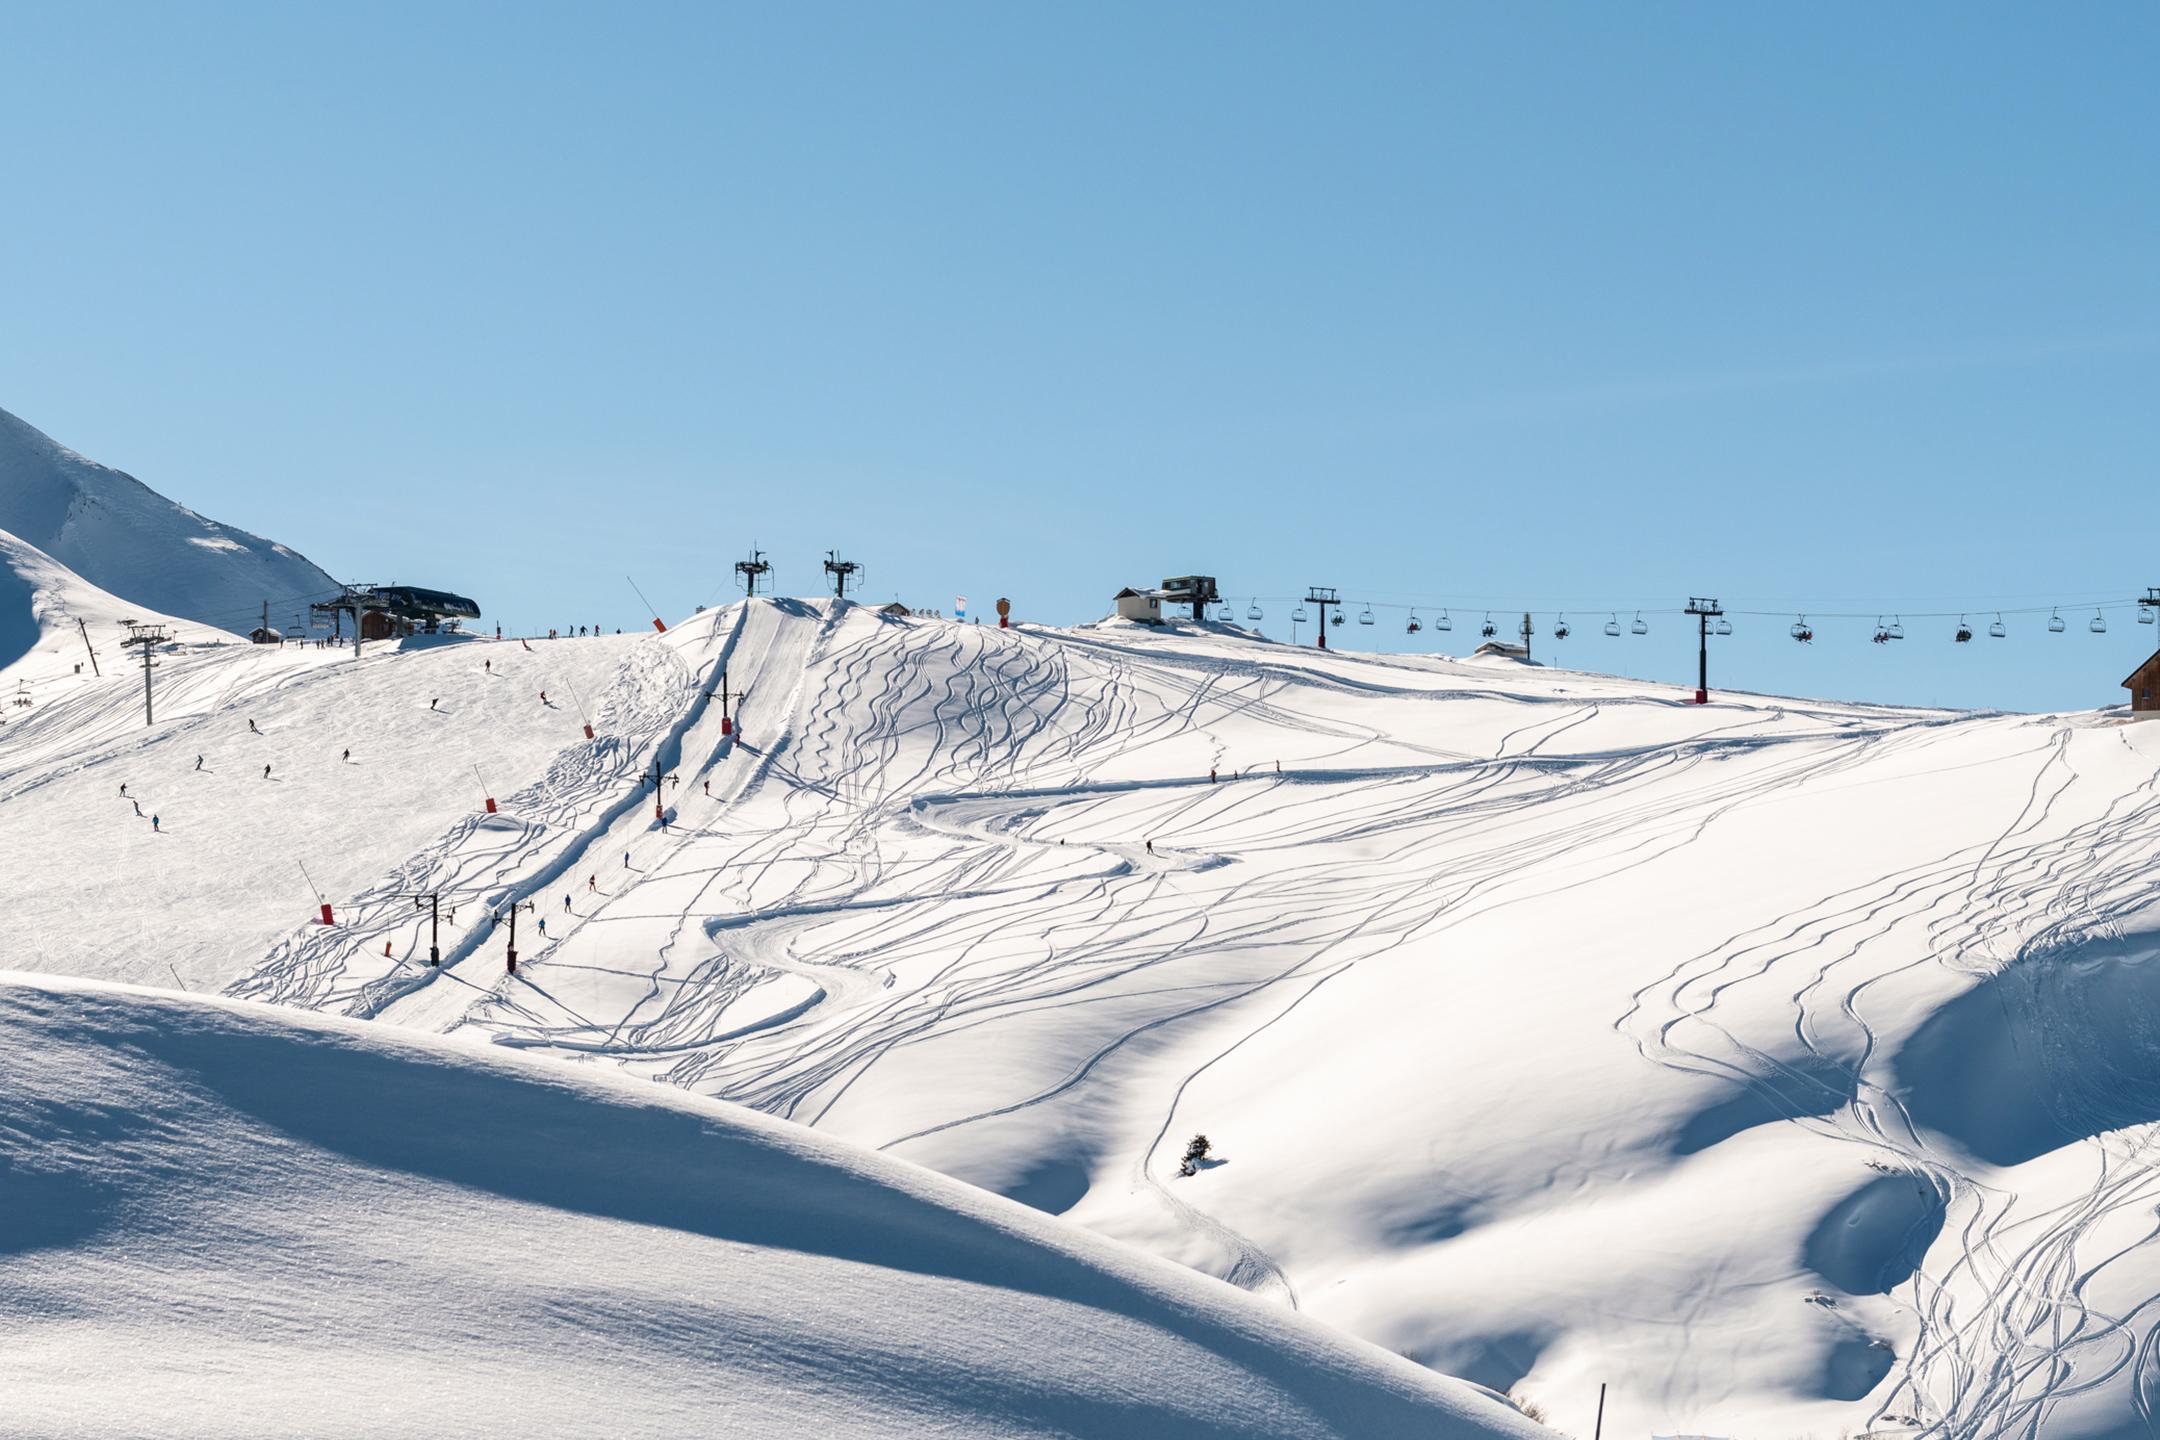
{"type": "Point", "coordinates": [1196, 1150]}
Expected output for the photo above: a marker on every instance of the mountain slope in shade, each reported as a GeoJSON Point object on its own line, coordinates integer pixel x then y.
{"type": "Point", "coordinates": [219, 1218]}
{"type": "Point", "coordinates": [50, 617]}
{"type": "Point", "coordinates": [124, 537]}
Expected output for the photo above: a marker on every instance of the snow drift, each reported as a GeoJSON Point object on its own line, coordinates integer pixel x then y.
{"type": "Point", "coordinates": [220, 1219]}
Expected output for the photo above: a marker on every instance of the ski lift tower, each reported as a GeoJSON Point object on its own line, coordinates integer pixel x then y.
{"type": "Point", "coordinates": [146, 638]}
{"type": "Point", "coordinates": [1704, 610]}
{"type": "Point", "coordinates": [1323, 596]}
{"type": "Point", "coordinates": [752, 570]}
{"type": "Point", "coordinates": [841, 571]}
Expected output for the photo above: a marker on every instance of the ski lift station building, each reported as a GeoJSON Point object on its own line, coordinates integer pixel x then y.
{"type": "Point", "coordinates": [385, 612]}
{"type": "Point", "coordinates": [1146, 606]}
{"type": "Point", "coordinates": [2144, 687]}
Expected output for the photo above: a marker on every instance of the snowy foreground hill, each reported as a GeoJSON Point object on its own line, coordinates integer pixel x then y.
{"type": "Point", "coordinates": [1785, 1065]}
{"type": "Point", "coordinates": [233, 1220]}
{"type": "Point", "coordinates": [125, 538]}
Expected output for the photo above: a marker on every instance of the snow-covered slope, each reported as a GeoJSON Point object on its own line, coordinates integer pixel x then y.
{"type": "Point", "coordinates": [126, 538]}
{"type": "Point", "coordinates": [1778, 1062]}
{"type": "Point", "coordinates": [57, 628]}
{"type": "Point", "coordinates": [219, 1219]}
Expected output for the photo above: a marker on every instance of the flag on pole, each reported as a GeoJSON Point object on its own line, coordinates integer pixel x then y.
{"type": "Point", "coordinates": [960, 607]}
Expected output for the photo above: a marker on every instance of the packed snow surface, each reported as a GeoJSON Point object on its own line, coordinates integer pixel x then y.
{"type": "Point", "coordinates": [1785, 1065]}
{"type": "Point", "coordinates": [124, 537]}
{"type": "Point", "coordinates": [221, 1219]}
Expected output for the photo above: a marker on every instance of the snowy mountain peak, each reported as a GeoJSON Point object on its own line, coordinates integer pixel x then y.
{"type": "Point", "coordinates": [125, 538]}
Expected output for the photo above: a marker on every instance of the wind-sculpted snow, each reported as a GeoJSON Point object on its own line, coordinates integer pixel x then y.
{"type": "Point", "coordinates": [219, 1219]}
{"type": "Point", "coordinates": [1777, 1063]}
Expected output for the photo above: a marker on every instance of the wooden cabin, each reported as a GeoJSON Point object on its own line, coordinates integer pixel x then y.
{"type": "Point", "coordinates": [2144, 686]}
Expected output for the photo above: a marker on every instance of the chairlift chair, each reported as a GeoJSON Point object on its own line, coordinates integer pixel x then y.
{"type": "Point", "coordinates": [1340, 617]}
{"type": "Point", "coordinates": [1413, 627]}
{"type": "Point", "coordinates": [2098, 624]}
{"type": "Point", "coordinates": [1964, 631]}
{"type": "Point", "coordinates": [2055, 623]}
{"type": "Point", "coordinates": [1252, 612]}
{"type": "Point", "coordinates": [2145, 614]}
{"type": "Point", "coordinates": [1297, 616]}
{"type": "Point", "coordinates": [1488, 629]}
{"type": "Point", "coordinates": [1443, 623]}
{"type": "Point", "coordinates": [1365, 617]}
{"type": "Point", "coordinates": [1799, 631]}
{"type": "Point", "coordinates": [1882, 632]}
{"type": "Point", "coordinates": [1998, 630]}
{"type": "Point", "coordinates": [1641, 626]}
{"type": "Point", "coordinates": [1612, 626]}
{"type": "Point", "coordinates": [1897, 627]}
{"type": "Point", "coordinates": [1560, 629]}
{"type": "Point", "coordinates": [1724, 627]}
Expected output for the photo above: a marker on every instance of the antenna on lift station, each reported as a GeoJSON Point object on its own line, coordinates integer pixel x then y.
{"type": "Point", "coordinates": [752, 570]}
{"type": "Point", "coordinates": [841, 571]}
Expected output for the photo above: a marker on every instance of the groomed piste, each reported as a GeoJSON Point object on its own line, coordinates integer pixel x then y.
{"type": "Point", "coordinates": [1773, 1062]}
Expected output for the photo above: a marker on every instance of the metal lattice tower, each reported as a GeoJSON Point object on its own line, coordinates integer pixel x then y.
{"type": "Point", "coordinates": [752, 570]}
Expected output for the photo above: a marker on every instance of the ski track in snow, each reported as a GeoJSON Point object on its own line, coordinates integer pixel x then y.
{"type": "Point", "coordinates": [926, 829]}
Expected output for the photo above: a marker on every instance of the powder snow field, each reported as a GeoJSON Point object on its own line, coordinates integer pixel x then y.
{"type": "Point", "coordinates": [225, 1219]}
{"type": "Point", "coordinates": [1783, 1064]}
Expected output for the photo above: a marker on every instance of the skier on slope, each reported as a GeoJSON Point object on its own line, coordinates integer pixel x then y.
{"type": "Point", "coordinates": [198, 762]}
{"type": "Point", "coordinates": [489, 667]}
{"type": "Point", "coordinates": [348, 756]}
{"type": "Point", "coordinates": [123, 787]}
{"type": "Point", "coordinates": [155, 826]}
{"type": "Point", "coordinates": [592, 882]}
{"type": "Point", "coordinates": [543, 924]}
{"type": "Point", "coordinates": [566, 902]}
{"type": "Point", "coordinates": [266, 772]}
{"type": "Point", "coordinates": [433, 703]}
{"type": "Point", "coordinates": [138, 809]}
{"type": "Point", "coordinates": [251, 726]}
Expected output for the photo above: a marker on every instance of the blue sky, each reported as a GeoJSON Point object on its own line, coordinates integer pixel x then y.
{"type": "Point", "coordinates": [1840, 306]}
